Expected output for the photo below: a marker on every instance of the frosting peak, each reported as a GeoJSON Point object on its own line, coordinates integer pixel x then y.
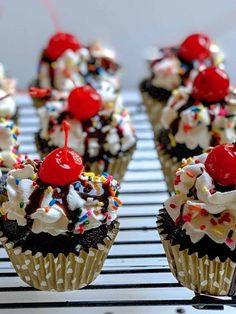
{"type": "Point", "coordinates": [75, 208]}
{"type": "Point", "coordinates": [200, 207]}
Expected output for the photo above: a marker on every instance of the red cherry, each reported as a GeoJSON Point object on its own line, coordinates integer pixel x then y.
{"type": "Point", "coordinates": [59, 43]}
{"type": "Point", "coordinates": [84, 102]}
{"type": "Point", "coordinates": [211, 85]}
{"type": "Point", "coordinates": [195, 47]}
{"type": "Point", "coordinates": [62, 166]}
{"type": "Point", "coordinates": [221, 164]}
{"type": "Point", "coordinates": [39, 92]}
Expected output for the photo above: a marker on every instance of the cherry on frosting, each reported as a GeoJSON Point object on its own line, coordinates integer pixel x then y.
{"type": "Point", "coordinates": [63, 165]}
{"type": "Point", "coordinates": [211, 85]}
{"type": "Point", "coordinates": [195, 47]}
{"type": "Point", "coordinates": [84, 102]}
{"type": "Point", "coordinates": [39, 92]}
{"type": "Point", "coordinates": [59, 43]}
{"type": "Point", "coordinates": [221, 164]}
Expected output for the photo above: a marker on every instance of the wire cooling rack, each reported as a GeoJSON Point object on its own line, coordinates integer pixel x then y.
{"type": "Point", "coordinates": [136, 277]}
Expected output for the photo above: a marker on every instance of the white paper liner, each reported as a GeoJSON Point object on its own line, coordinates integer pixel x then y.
{"type": "Point", "coordinates": [201, 275]}
{"type": "Point", "coordinates": [60, 273]}
{"type": "Point", "coordinates": [169, 166]}
{"type": "Point", "coordinates": [154, 109]}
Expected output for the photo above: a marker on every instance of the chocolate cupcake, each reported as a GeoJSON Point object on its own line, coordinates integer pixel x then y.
{"type": "Point", "coordinates": [194, 119]}
{"type": "Point", "coordinates": [101, 130]}
{"type": "Point", "coordinates": [59, 222]}
{"type": "Point", "coordinates": [197, 224]}
{"type": "Point", "coordinates": [173, 67]}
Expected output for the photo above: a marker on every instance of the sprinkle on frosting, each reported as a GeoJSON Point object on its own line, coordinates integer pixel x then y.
{"type": "Point", "coordinates": [196, 124]}
{"type": "Point", "coordinates": [85, 204]}
{"type": "Point", "coordinates": [199, 207]}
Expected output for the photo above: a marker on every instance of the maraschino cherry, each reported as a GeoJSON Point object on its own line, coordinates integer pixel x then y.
{"type": "Point", "coordinates": [211, 85]}
{"type": "Point", "coordinates": [84, 102]}
{"type": "Point", "coordinates": [40, 92]}
{"type": "Point", "coordinates": [63, 165]}
{"type": "Point", "coordinates": [195, 47]}
{"type": "Point", "coordinates": [59, 43]}
{"type": "Point", "coordinates": [221, 164]}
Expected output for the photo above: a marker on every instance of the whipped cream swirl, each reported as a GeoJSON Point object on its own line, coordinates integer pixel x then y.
{"type": "Point", "coordinates": [80, 206]}
{"type": "Point", "coordinates": [195, 123]}
{"type": "Point", "coordinates": [200, 207]}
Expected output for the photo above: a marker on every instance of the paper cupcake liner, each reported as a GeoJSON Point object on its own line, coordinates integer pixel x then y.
{"type": "Point", "coordinates": [154, 109]}
{"type": "Point", "coordinates": [169, 166]}
{"type": "Point", "coordinates": [201, 275]}
{"type": "Point", "coordinates": [60, 273]}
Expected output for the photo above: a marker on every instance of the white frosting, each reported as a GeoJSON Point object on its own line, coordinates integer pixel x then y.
{"type": "Point", "coordinates": [194, 122]}
{"type": "Point", "coordinates": [18, 194]}
{"type": "Point", "coordinates": [68, 70]}
{"type": "Point", "coordinates": [7, 89]}
{"type": "Point", "coordinates": [198, 213]}
{"type": "Point", "coordinates": [50, 216]}
{"type": "Point", "coordinates": [7, 105]}
{"type": "Point", "coordinates": [191, 131]}
{"type": "Point", "coordinates": [99, 51]}
{"type": "Point", "coordinates": [167, 73]}
{"type": "Point", "coordinates": [119, 123]}
{"type": "Point", "coordinates": [76, 137]}
{"type": "Point", "coordinates": [8, 143]}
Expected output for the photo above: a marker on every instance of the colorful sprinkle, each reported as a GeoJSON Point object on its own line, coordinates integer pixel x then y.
{"type": "Point", "coordinates": [187, 217]}
{"type": "Point", "coordinates": [52, 202]}
{"type": "Point", "coordinates": [213, 222]}
{"type": "Point", "coordinates": [190, 174]}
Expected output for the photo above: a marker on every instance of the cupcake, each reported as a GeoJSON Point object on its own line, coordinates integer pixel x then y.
{"type": "Point", "coordinates": [59, 222]}
{"type": "Point", "coordinates": [9, 152]}
{"type": "Point", "coordinates": [173, 67]}
{"type": "Point", "coordinates": [197, 224]}
{"type": "Point", "coordinates": [62, 64]}
{"type": "Point", "coordinates": [65, 62]}
{"type": "Point", "coordinates": [8, 107]}
{"type": "Point", "coordinates": [194, 119]}
{"type": "Point", "coordinates": [101, 130]}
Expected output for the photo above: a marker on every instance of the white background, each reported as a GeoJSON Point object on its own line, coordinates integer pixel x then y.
{"type": "Point", "coordinates": [127, 25]}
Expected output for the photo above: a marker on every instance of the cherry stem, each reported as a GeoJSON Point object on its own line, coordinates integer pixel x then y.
{"type": "Point", "coordinates": [53, 13]}
{"type": "Point", "coordinates": [39, 92]}
{"type": "Point", "coordinates": [66, 128]}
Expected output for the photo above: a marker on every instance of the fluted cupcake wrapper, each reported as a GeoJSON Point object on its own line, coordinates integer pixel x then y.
{"type": "Point", "coordinates": [201, 275]}
{"type": "Point", "coordinates": [154, 109]}
{"type": "Point", "coordinates": [169, 166]}
{"type": "Point", "coordinates": [60, 273]}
